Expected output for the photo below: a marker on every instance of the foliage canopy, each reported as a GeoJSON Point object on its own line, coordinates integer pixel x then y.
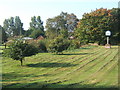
{"type": "Point", "coordinates": [92, 27]}
{"type": "Point", "coordinates": [18, 50]}
{"type": "Point", "coordinates": [58, 45]}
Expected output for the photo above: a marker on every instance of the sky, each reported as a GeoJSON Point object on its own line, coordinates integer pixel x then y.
{"type": "Point", "coordinates": [26, 9]}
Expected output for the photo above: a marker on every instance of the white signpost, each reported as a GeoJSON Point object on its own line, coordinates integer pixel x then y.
{"type": "Point", "coordinates": [108, 34]}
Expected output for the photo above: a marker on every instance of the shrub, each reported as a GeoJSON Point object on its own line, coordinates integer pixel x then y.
{"type": "Point", "coordinates": [18, 50]}
{"type": "Point", "coordinates": [74, 44]}
{"type": "Point", "coordinates": [58, 45]}
{"type": "Point", "coordinates": [30, 50]}
{"type": "Point", "coordinates": [6, 52]}
{"type": "Point", "coordinates": [42, 46]}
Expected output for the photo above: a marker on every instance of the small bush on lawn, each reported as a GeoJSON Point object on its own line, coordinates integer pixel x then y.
{"type": "Point", "coordinates": [58, 45]}
{"type": "Point", "coordinates": [42, 46]}
{"type": "Point", "coordinates": [74, 44]}
{"type": "Point", "coordinates": [18, 50]}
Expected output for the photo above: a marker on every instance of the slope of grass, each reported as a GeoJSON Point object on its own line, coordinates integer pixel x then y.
{"type": "Point", "coordinates": [2, 47]}
{"type": "Point", "coordinates": [92, 66]}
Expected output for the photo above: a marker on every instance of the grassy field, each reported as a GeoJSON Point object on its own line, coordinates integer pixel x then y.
{"type": "Point", "coordinates": [1, 48]}
{"type": "Point", "coordinates": [88, 67]}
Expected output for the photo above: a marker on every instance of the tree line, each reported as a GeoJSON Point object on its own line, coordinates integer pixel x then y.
{"type": "Point", "coordinates": [63, 32]}
{"type": "Point", "coordinates": [90, 29]}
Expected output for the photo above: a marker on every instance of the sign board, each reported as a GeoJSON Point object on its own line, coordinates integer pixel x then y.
{"type": "Point", "coordinates": [107, 33]}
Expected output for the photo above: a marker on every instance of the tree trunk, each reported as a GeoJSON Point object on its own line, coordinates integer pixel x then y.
{"type": "Point", "coordinates": [21, 62]}
{"type": "Point", "coordinates": [5, 45]}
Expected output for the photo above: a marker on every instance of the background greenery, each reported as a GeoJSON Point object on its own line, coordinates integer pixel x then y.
{"type": "Point", "coordinates": [90, 29]}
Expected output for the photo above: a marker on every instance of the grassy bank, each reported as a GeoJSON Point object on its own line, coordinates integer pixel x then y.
{"type": "Point", "coordinates": [92, 66]}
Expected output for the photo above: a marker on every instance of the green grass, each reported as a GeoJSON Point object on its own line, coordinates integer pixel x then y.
{"type": "Point", "coordinates": [92, 66]}
{"type": "Point", "coordinates": [2, 48]}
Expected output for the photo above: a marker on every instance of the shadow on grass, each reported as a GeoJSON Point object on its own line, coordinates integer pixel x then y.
{"type": "Point", "coordinates": [48, 64]}
{"type": "Point", "coordinates": [54, 86]}
{"type": "Point", "coordinates": [85, 48]}
{"type": "Point", "coordinates": [8, 76]}
{"type": "Point", "coordinates": [76, 54]}
{"type": "Point", "coordinates": [11, 76]}
{"type": "Point", "coordinates": [45, 84]}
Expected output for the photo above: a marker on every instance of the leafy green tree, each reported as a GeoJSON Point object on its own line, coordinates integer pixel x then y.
{"type": "Point", "coordinates": [3, 35]}
{"type": "Point", "coordinates": [71, 22]}
{"type": "Point", "coordinates": [74, 44]}
{"type": "Point", "coordinates": [18, 50]}
{"type": "Point", "coordinates": [58, 45]}
{"type": "Point", "coordinates": [36, 33]}
{"type": "Point", "coordinates": [13, 26]}
{"type": "Point", "coordinates": [36, 25]}
{"type": "Point", "coordinates": [28, 32]}
{"type": "Point", "coordinates": [8, 26]}
{"type": "Point", "coordinates": [42, 45]}
{"type": "Point", "coordinates": [18, 26]}
{"type": "Point", "coordinates": [61, 24]}
{"type": "Point", "coordinates": [54, 25]}
{"type": "Point", "coordinates": [64, 33]}
{"type": "Point", "coordinates": [92, 27]}
{"type": "Point", "coordinates": [115, 27]}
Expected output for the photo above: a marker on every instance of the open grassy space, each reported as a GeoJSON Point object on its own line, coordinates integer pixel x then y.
{"type": "Point", "coordinates": [2, 47]}
{"type": "Point", "coordinates": [92, 66]}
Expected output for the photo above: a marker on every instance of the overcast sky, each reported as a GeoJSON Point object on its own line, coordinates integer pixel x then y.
{"type": "Point", "coordinates": [25, 9]}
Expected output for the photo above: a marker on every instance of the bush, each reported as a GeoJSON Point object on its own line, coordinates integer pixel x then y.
{"type": "Point", "coordinates": [18, 50]}
{"type": "Point", "coordinates": [30, 50]}
{"type": "Point", "coordinates": [42, 46]}
{"type": "Point", "coordinates": [74, 44]}
{"type": "Point", "coordinates": [58, 45]}
{"type": "Point", "coordinates": [6, 52]}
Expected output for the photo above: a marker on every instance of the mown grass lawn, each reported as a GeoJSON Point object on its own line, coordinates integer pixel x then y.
{"type": "Point", "coordinates": [2, 47]}
{"type": "Point", "coordinates": [88, 67]}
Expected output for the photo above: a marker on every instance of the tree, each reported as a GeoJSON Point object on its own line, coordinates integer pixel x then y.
{"type": "Point", "coordinates": [3, 35]}
{"type": "Point", "coordinates": [18, 50]}
{"type": "Point", "coordinates": [18, 26]}
{"type": "Point", "coordinates": [54, 25]}
{"type": "Point", "coordinates": [115, 27]}
{"type": "Point", "coordinates": [71, 22]}
{"type": "Point", "coordinates": [58, 45]}
{"type": "Point", "coordinates": [7, 26]}
{"type": "Point", "coordinates": [92, 27]}
{"type": "Point", "coordinates": [27, 33]}
{"type": "Point", "coordinates": [61, 24]}
{"type": "Point", "coordinates": [36, 33]}
{"type": "Point", "coordinates": [13, 26]}
{"type": "Point", "coordinates": [36, 25]}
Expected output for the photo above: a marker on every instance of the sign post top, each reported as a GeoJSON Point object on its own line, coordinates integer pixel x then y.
{"type": "Point", "coordinates": [107, 33]}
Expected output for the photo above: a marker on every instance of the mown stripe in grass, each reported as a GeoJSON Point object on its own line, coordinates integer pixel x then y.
{"type": "Point", "coordinates": [58, 75]}
{"type": "Point", "coordinates": [90, 81]}
{"type": "Point", "coordinates": [57, 68]}
{"type": "Point", "coordinates": [57, 78]}
{"type": "Point", "coordinates": [62, 71]}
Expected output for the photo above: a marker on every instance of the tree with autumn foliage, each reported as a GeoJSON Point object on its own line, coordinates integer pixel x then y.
{"type": "Point", "coordinates": [91, 28]}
